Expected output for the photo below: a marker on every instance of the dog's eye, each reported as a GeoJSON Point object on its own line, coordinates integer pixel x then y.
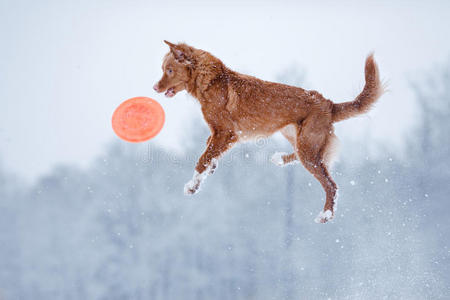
{"type": "Point", "coordinates": [169, 71]}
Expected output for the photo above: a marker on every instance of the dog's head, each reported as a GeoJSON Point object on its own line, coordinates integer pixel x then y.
{"type": "Point", "coordinates": [176, 69]}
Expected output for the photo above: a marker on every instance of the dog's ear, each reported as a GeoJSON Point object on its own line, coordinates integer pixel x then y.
{"type": "Point", "coordinates": [169, 44]}
{"type": "Point", "coordinates": [178, 52]}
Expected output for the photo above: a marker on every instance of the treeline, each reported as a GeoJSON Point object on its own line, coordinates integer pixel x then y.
{"type": "Point", "coordinates": [122, 229]}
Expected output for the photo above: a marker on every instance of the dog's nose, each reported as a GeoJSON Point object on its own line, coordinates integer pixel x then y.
{"type": "Point", "coordinates": [155, 87]}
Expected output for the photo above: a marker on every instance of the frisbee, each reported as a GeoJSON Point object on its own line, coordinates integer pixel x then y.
{"type": "Point", "coordinates": [138, 119]}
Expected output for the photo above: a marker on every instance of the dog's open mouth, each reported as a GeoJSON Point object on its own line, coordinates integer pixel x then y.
{"type": "Point", "coordinates": [170, 92]}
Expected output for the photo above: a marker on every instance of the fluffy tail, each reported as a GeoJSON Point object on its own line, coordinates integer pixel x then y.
{"type": "Point", "coordinates": [373, 89]}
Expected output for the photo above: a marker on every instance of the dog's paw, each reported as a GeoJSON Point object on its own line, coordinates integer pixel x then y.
{"type": "Point", "coordinates": [213, 166]}
{"type": "Point", "coordinates": [191, 187]}
{"type": "Point", "coordinates": [277, 159]}
{"type": "Point", "coordinates": [324, 216]}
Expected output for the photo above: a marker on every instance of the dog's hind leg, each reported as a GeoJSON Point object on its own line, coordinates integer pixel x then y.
{"type": "Point", "coordinates": [282, 159]}
{"type": "Point", "coordinates": [313, 143]}
{"type": "Point", "coordinates": [218, 143]}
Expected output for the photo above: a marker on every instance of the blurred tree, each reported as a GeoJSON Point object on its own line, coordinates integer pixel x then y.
{"type": "Point", "coordinates": [429, 154]}
{"type": "Point", "coordinates": [10, 272]}
{"type": "Point", "coordinates": [122, 228]}
{"type": "Point", "coordinates": [292, 76]}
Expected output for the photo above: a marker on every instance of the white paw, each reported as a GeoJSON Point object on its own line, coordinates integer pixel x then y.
{"type": "Point", "coordinates": [324, 216]}
{"type": "Point", "coordinates": [277, 158]}
{"type": "Point", "coordinates": [191, 187]}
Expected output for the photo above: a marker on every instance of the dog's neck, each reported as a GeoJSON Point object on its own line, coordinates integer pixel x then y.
{"type": "Point", "coordinates": [207, 72]}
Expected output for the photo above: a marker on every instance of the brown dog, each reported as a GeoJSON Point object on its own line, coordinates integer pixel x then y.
{"type": "Point", "coordinates": [239, 107]}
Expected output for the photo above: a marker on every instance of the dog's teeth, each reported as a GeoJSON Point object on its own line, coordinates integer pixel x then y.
{"type": "Point", "coordinates": [170, 92]}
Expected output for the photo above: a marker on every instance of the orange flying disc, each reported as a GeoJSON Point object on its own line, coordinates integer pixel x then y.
{"type": "Point", "coordinates": [138, 119]}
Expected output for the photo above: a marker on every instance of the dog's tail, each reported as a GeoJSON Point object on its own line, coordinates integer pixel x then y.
{"type": "Point", "coordinates": [373, 89]}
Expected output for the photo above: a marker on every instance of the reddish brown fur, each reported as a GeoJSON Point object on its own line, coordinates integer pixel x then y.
{"type": "Point", "coordinates": [239, 107]}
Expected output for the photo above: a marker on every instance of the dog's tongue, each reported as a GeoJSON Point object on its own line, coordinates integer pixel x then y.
{"type": "Point", "coordinates": [170, 93]}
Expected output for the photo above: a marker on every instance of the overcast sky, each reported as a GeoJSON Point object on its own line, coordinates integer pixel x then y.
{"type": "Point", "coordinates": [66, 65]}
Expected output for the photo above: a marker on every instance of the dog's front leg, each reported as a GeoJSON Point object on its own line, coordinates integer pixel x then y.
{"type": "Point", "coordinates": [217, 144]}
